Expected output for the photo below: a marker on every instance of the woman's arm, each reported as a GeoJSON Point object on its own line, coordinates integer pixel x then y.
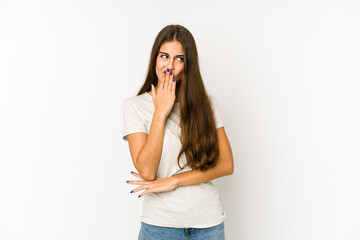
{"type": "Point", "coordinates": [146, 149]}
{"type": "Point", "coordinates": [223, 167]}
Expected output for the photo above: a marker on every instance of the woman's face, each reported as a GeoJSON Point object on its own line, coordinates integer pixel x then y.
{"type": "Point", "coordinates": [170, 56]}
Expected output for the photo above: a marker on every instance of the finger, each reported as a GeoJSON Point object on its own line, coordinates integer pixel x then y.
{"type": "Point", "coordinates": [161, 81]}
{"type": "Point", "coordinates": [153, 93]}
{"type": "Point", "coordinates": [138, 182]}
{"type": "Point", "coordinates": [139, 188]}
{"type": "Point", "coordinates": [145, 192]}
{"type": "Point", "coordinates": [173, 85]}
{"type": "Point", "coordinates": [171, 80]}
{"type": "Point", "coordinates": [167, 77]}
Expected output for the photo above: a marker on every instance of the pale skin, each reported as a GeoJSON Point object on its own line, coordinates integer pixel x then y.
{"type": "Point", "coordinates": [145, 149]}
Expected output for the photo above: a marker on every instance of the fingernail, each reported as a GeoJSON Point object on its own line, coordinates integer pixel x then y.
{"type": "Point", "coordinates": [131, 191]}
{"type": "Point", "coordinates": [174, 80]}
{"type": "Point", "coordinates": [168, 70]}
{"type": "Point", "coordinates": [139, 196]}
{"type": "Point", "coordinates": [164, 72]}
{"type": "Point", "coordinates": [132, 172]}
{"type": "Point", "coordinates": [171, 73]}
{"type": "Point", "coordinates": [127, 181]}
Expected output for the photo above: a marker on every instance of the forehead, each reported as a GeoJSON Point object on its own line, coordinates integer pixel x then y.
{"type": "Point", "coordinates": [173, 47]}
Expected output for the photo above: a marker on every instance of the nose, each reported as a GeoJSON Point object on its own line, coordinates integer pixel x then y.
{"type": "Point", "coordinates": [171, 65]}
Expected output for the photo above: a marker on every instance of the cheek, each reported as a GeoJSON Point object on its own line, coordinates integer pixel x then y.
{"type": "Point", "coordinates": [158, 68]}
{"type": "Point", "coordinates": [179, 70]}
{"type": "Point", "coordinates": [160, 64]}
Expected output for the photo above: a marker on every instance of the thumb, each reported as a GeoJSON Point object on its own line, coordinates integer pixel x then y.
{"type": "Point", "coordinates": [153, 90]}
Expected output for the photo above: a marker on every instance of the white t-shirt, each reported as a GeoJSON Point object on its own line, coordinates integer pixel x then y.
{"type": "Point", "coordinates": [195, 206]}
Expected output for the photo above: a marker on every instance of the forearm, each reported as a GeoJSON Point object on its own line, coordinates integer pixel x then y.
{"type": "Point", "coordinates": [183, 179]}
{"type": "Point", "coordinates": [148, 159]}
{"type": "Point", "coordinates": [196, 176]}
{"type": "Point", "coordinates": [224, 166]}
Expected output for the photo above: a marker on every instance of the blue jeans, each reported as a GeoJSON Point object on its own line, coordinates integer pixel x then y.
{"type": "Point", "coordinates": [151, 232]}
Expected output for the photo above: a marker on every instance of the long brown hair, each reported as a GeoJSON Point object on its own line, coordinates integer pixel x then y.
{"type": "Point", "coordinates": [197, 122]}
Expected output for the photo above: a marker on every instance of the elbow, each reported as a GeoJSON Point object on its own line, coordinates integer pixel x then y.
{"type": "Point", "coordinates": [144, 171]}
{"type": "Point", "coordinates": [147, 177]}
{"type": "Point", "coordinates": [228, 169]}
{"type": "Point", "coordinates": [225, 170]}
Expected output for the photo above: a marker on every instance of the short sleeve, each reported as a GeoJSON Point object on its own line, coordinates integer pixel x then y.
{"type": "Point", "coordinates": [132, 120]}
{"type": "Point", "coordinates": [218, 119]}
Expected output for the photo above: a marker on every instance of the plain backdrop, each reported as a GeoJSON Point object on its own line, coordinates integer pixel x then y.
{"type": "Point", "coordinates": [285, 75]}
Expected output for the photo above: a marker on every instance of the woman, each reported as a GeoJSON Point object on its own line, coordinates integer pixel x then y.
{"type": "Point", "coordinates": [177, 143]}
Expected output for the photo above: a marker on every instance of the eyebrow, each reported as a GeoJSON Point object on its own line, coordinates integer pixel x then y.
{"type": "Point", "coordinates": [168, 54]}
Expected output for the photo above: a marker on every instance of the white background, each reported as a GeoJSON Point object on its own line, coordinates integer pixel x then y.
{"type": "Point", "coordinates": [285, 75]}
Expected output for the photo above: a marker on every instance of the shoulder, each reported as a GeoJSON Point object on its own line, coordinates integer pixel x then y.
{"type": "Point", "coordinates": [139, 101]}
{"type": "Point", "coordinates": [213, 100]}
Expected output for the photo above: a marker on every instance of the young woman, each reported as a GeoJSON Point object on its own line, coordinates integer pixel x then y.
{"type": "Point", "coordinates": [177, 144]}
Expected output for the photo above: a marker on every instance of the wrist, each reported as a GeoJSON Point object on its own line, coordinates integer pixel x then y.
{"type": "Point", "coordinates": [175, 181]}
{"type": "Point", "coordinates": [158, 117]}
